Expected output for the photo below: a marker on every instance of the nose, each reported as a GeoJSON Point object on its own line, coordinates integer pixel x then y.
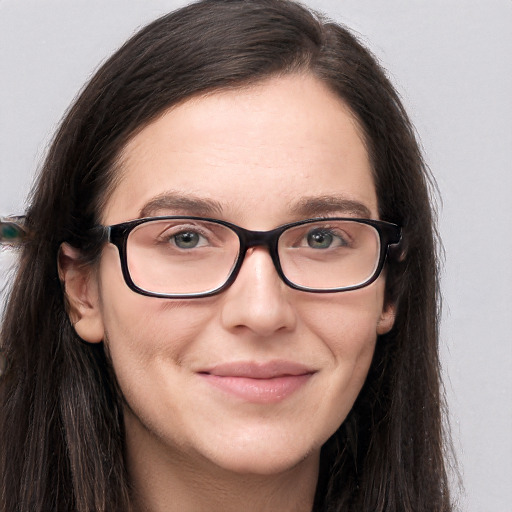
{"type": "Point", "coordinates": [258, 301]}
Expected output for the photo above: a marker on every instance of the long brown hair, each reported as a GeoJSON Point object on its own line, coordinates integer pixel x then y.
{"type": "Point", "coordinates": [61, 423]}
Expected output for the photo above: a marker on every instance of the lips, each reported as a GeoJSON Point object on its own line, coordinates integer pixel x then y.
{"type": "Point", "coordinates": [268, 382]}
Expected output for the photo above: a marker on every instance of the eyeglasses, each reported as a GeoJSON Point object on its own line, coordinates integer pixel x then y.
{"type": "Point", "coordinates": [188, 257]}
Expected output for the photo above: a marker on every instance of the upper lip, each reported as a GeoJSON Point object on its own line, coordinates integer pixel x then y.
{"type": "Point", "coordinates": [256, 370]}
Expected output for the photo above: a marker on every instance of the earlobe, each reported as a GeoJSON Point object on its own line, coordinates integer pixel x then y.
{"type": "Point", "coordinates": [386, 319]}
{"type": "Point", "coordinates": [81, 293]}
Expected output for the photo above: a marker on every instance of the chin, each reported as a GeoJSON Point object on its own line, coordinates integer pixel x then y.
{"type": "Point", "coordinates": [264, 456]}
{"type": "Point", "coordinates": [257, 465]}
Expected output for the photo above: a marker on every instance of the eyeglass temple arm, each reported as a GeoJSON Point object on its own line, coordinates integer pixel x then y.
{"type": "Point", "coordinates": [397, 250]}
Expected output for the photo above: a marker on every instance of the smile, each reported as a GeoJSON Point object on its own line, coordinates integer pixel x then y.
{"type": "Point", "coordinates": [258, 383]}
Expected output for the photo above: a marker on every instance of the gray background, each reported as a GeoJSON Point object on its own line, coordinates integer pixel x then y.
{"type": "Point", "coordinates": [451, 61]}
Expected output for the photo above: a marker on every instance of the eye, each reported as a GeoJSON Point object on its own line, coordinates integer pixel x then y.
{"type": "Point", "coordinates": [324, 239]}
{"type": "Point", "coordinates": [188, 240]}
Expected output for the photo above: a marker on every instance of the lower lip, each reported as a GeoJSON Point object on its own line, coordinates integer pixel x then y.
{"type": "Point", "coordinates": [262, 391]}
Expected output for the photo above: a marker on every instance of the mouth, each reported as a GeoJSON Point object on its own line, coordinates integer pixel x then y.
{"type": "Point", "coordinates": [264, 383]}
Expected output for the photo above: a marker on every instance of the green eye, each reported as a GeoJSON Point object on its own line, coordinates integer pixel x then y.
{"type": "Point", "coordinates": [319, 239]}
{"type": "Point", "coordinates": [187, 240]}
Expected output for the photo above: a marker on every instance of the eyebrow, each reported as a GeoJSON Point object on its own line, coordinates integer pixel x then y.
{"type": "Point", "coordinates": [307, 207]}
{"type": "Point", "coordinates": [317, 206]}
{"type": "Point", "coordinates": [183, 204]}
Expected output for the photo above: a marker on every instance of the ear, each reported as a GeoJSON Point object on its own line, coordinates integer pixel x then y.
{"type": "Point", "coordinates": [82, 294]}
{"type": "Point", "coordinates": [386, 319]}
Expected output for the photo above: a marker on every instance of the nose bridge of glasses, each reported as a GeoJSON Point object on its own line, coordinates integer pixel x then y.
{"type": "Point", "coordinates": [266, 239]}
{"type": "Point", "coordinates": [258, 238]}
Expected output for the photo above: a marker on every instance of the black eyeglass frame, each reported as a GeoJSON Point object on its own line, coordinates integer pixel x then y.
{"type": "Point", "coordinates": [389, 234]}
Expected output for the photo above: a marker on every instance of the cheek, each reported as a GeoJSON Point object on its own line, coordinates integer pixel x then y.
{"type": "Point", "coordinates": [144, 330]}
{"type": "Point", "coordinates": [148, 344]}
{"type": "Point", "coordinates": [347, 322]}
{"type": "Point", "coordinates": [142, 333]}
{"type": "Point", "coordinates": [346, 325]}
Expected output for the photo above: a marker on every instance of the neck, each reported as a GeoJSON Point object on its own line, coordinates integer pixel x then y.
{"type": "Point", "coordinates": [176, 480]}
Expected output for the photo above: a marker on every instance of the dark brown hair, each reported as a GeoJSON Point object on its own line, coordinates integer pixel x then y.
{"type": "Point", "coordinates": [61, 424]}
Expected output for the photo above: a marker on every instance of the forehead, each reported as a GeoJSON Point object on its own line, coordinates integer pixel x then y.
{"type": "Point", "coordinates": [254, 152]}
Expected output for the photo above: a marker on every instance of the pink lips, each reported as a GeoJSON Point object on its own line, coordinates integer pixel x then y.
{"type": "Point", "coordinates": [258, 383]}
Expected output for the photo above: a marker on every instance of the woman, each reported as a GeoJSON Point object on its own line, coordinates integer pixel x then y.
{"type": "Point", "coordinates": [227, 298]}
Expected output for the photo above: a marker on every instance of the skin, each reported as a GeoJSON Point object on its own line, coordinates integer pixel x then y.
{"type": "Point", "coordinates": [255, 151]}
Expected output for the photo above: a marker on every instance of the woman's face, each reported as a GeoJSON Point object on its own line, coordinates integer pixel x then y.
{"type": "Point", "coordinates": [208, 379]}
